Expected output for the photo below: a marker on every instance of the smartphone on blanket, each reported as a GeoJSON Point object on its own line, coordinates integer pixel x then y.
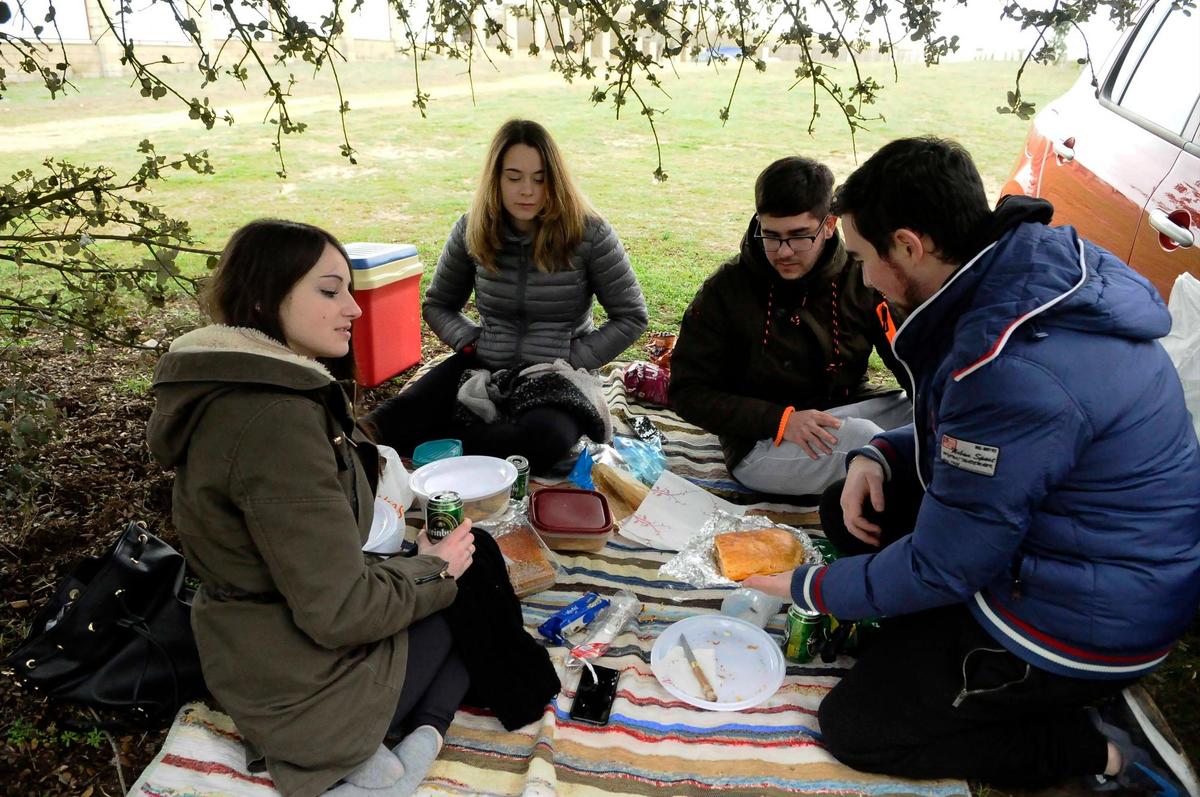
{"type": "Point", "coordinates": [594, 696]}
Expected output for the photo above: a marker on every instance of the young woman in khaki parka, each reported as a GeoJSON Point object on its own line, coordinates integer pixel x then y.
{"type": "Point", "coordinates": [316, 652]}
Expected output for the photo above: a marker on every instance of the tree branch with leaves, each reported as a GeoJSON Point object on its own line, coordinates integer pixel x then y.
{"type": "Point", "coordinates": [77, 238]}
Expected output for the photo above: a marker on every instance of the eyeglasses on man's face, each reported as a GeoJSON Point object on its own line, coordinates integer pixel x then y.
{"type": "Point", "coordinates": [797, 243]}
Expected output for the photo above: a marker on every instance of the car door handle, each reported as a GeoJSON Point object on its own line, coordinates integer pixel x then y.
{"type": "Point", "coordinates": [1180, 235]}
{"type": "Point", "coordinates": [1065, 150]}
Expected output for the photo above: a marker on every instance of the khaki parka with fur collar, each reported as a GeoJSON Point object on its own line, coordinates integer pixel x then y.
{"type": "Point", "coordinates": [301, 637]}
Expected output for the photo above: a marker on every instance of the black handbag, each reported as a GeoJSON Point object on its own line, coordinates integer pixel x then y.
{"type": "Point", "coordinates": [117, 635]}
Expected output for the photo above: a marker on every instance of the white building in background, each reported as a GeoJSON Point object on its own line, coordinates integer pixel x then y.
{"type": "Point", "coordinates": [374, 32]}
{"type": "Point", "coordinates": [371, 32]}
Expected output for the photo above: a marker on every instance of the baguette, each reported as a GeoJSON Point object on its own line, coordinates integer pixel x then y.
{"type": "Point", "coordinates": [741, 554]}
{"type": "Point", "coordinates": [623, 491]}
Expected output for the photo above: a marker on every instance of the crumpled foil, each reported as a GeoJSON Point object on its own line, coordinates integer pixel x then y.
{"type": "Point", "coordinates": [513, 516]}
{"type": "Point", "coordinates": [697, 565]}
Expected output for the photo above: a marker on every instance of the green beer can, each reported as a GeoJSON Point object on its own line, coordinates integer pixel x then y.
{"type": "Point", "coordinates": [443, 514]}
{"type": "Point", "coordinates": [520, 487]}
{"type": "Point", "coordinates": [802, 640]}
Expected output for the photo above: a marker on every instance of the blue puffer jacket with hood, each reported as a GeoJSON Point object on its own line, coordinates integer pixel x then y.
{"type": "Point", "coordinates": [1060, 468]}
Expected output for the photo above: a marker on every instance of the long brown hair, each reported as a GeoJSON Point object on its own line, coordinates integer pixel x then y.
{"type": "Point", "coordinates": [558, 228]}
{"type": "Point", "coordinates": [261, 264]}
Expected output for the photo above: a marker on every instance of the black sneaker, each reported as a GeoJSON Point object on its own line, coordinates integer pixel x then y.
{"type": "Point", "coordinates": [1152, 762]}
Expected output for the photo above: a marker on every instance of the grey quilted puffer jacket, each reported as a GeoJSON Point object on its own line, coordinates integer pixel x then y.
{"type": "Point", "coordinates": [529, 316]}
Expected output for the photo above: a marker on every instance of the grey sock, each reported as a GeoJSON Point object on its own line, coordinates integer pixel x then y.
{"type": "Point", "coordinates": [376, 777]}
{"type": "Point", "coordinates": [417, 753]}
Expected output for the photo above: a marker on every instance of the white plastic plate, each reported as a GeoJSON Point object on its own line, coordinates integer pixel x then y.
{"type": "Point", "coordinates": [745, 665]}
{"type": "Point", "coordinates": [387, 530]}
{"type": "Point", "coordinates": [472, 477]}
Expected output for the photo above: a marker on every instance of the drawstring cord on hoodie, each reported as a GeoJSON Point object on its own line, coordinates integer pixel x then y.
{"type": "Point", "coordinates": [835, 330]}
{"type": "Point", "coordinates": [835, 326]}
{"type": "Point", "coordinates": [770, 305]}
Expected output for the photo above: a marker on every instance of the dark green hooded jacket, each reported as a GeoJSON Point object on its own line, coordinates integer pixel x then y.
{"type": "Point", "coordinates": [301, 637]}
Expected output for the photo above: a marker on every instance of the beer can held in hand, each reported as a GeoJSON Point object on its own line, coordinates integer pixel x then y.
{"type": "Point", "coordinates": [443, 514]}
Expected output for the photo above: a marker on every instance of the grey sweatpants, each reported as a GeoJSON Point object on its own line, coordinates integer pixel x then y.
{"type": "Point", "coordinates": [787, 469]}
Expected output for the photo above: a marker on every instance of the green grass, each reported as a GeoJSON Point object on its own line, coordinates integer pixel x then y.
{"type": "Point", "coordinates": [134, 386]}
{"type": "Point", "coordinates": [415, 176]}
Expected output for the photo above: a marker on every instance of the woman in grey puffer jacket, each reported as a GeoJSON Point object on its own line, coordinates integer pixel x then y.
{"type": "Point", "coordinates": [535, 254]}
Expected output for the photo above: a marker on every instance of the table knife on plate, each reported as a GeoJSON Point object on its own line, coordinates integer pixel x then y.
{"type": "Point", "coordinates": [710, 694]}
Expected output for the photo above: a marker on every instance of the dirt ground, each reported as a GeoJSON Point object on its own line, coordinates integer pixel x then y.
{"type": "Point", "coordinates": [92, 476]}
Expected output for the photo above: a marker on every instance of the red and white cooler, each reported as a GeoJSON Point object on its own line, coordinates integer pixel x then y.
{"type": "Point", "coordinates": [387, 286]}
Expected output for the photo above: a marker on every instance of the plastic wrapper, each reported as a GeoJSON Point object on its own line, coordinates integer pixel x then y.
{"type": "Point", "coordinates": [530, 564]}
{"type": "Point", "coordinates": [696, 564]}
{"type": "Point", "coordinates": [572, 618]}
{"type": "Point", "coordinates": [623, 609]}
{"type": "Point", "coordinates": [581, 474]}
{"type": "Point", "coordinates": [645, 429]}
{"type": "Point", "coordinates": [642, 458]}
{"type": "Point", "coordinates": [647, 383]}
{"type": "Point", "coordinates": [659, 347]}
{"type": "Point", "coordinates": [600, 467]}
{"type": "Point", "coordinates": [604, 454]}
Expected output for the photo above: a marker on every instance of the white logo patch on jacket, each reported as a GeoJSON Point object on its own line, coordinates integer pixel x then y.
{"type": "Point", "coordinates": [970, 456]}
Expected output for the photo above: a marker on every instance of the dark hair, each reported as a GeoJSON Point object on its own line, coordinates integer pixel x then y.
{"type": "Point", "coordinates": [927, 185]}
{"type": "Point", "coordinates": [261, 264]}
{"type": "Point", "coordinates": [794, 185]}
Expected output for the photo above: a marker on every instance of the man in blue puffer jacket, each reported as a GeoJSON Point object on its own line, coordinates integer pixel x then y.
{"type": "Point", "coordinates": [1035, 532]}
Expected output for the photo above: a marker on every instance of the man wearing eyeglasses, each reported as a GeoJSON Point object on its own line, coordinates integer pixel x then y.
{"type": "Point", "coordinates": [772, 352]}
{"type": "Point", "coordinates": [1033, 537]}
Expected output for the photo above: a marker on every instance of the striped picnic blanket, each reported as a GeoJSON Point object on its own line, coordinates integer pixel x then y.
{"type": "Point", "coordinates": [653, 744]}
{"type": "Point", "coordinates": [691, 452]}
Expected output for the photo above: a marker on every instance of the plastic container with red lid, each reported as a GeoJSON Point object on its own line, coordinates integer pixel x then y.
{"type": "Point", "coordinates": [568, 519]}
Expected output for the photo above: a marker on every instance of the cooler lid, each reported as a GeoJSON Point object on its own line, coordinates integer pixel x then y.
{"type": "Point", "coordinates": [370, 255]}
{"type": "Point", "coordinates": [386, 274]}
{"type": "Point", "coordinates": [564, 510]}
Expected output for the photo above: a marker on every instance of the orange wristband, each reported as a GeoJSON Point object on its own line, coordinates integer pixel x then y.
{"type": "Point", "coordinates": [787, 413]}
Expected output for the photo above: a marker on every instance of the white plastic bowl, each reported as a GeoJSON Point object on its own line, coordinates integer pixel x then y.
{"type": "Point", "coordinates": [483, 482]}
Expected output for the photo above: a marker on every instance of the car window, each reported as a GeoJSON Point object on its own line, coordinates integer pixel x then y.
{"type": "Point", "coordinates": [1164, 84]}
{"type": "Point", "coordinates": [1133, 51]}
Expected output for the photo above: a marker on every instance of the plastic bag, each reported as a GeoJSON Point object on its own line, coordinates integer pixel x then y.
{"type": "Point", "coordinates": [660, 347]}
{"type": "Point", "coordinates": [647, 383]}
{"type": "Point", "coordinates": [530, 564]}
{"type": "Point", "coordinates": [623, 609]}
{"type": "Point", "coordinates": [581, 474]}
{"type": "Point", "coordinates": [393, 482]}
{"type": "Point", "coordinates": [1183, 341]}
{"type": "Point", "coordinates": [390, 534]}
{"type": "Point", "coordinates": [643, 458]}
